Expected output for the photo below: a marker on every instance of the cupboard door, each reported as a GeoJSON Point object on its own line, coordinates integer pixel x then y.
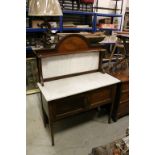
{"type": "Point", "coordinates": [123, 109]}
{"type": "Point", "coordinates": [125, 86]}
{"type": "Point", "coordinates": [68, 106]}
{"type": "Point", "coordinates": [124, 96]}
{"type": "Point", "coordinates": [100, 96]}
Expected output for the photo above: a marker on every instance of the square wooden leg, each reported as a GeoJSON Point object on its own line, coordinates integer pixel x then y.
{"type": "Point", "coordinates": [112, 104]}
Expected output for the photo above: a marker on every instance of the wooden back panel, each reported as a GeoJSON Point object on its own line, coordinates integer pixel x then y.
{"type": "Point", "coordinates": [73, 42]}
{"type": "Point", "coordinates": [73, 55]}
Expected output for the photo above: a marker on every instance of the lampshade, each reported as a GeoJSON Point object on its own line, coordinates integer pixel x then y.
{"type": "Point", "coordinates": [44, 8]}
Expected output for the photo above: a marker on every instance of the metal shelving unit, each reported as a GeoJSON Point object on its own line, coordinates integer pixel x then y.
{"type": "Point", "coordinates": [39, 29]}
{"type": "Point", "coordinates": [108, 15]}
{"type": "Point", "coordinates": [78, 12]}
{"type": "Point", "coordinates": [106, 29]}
{"type": "Point", "coordinates": [77, 29]}
{"type": "Point", "coordinates": [94, 21]}
{"type": "Point", "coordinates": [61, 28]}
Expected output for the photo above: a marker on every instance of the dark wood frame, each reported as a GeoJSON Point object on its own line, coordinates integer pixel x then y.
{"type": "Point", "coordinates": [118, 112]}
{"type": "Point", "coordinates": [122, 95]}
{"type": "Point", "coordinates": [53, 110]}
{"type": "Point", "coordinates": [64, 43]}
{"type": "Point", "coordinates": [49, 117]}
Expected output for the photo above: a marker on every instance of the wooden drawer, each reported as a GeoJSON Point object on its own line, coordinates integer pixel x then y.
{"type": "Point", "coordinates": [124, 96]}
{"type": "Point", "coordinates": [100, 96]}
{"type": "Point", "coordinates": [68, 106]}
{"type": "Point", "coordinates": [125, 86]}
{"type": "Point", "coordinates": [123, 109]}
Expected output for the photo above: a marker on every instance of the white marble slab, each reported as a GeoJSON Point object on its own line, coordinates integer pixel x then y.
{"type": "Point", "coordinates": [74, 85]}
{"type": "Point", "coordinates": [69, 64]}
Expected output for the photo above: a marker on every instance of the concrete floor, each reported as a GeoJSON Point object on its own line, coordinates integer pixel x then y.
{"type": "Point", "coordinates": [73, 136]}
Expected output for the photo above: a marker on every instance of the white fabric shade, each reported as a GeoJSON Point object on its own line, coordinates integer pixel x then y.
{"type": "Point", "coordinates": [44, 8]}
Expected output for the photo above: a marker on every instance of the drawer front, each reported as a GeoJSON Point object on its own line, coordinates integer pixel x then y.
{"type": "Point", "coordinates": [125, 86]}
{"type": "Point", "coordinates": [123, 109]}
{"type": "Point", "coordinates": [100, 96]}
{"type": "Point", "coordinates": [68, 106]}
{"type": "Point", "coordinates": [124, 96]}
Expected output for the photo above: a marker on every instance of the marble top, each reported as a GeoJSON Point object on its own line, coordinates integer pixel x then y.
{"type": "Point", "coordinates": [74, 85]}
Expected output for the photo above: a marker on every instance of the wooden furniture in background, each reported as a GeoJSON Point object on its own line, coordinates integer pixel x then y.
{"type": "Point", "coordinates": [121, 106]}
{"type": "Point", "coordinates": [71, 80]}
{"type": "Point", "coordinates": [124, 54]}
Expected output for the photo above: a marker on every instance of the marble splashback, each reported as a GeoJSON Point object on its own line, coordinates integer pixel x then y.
{"type": "Point", "coordinates": [69, 64]}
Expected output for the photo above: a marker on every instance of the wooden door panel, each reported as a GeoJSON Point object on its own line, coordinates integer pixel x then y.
{"type": "Point", "coordinates": [125, 86]}
{"type": "Point", "coordinates": [100, 96]}
{"type": "Point", "coordinates": [123, 109]}
{"type": "Point", "coordinates": [124, 96]}
{"type": "Point", "coordinates": [68, 106]}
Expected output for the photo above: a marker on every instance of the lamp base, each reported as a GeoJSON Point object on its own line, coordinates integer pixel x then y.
{"type": "Point", "coordinates": [46, 38]}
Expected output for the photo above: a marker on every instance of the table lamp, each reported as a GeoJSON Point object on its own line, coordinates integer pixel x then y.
{"type": "Point", "coordinates": [45, 8]}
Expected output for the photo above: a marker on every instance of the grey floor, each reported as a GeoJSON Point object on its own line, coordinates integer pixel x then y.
{"type": "Point", "coordinates": [73, 136]}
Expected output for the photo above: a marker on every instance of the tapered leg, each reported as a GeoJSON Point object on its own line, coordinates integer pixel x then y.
{"type": "Point", "coordinates": [51, 122]}
{"type": "Point", "coordinates": [52, 133]}
{"type": "Point", "coordinates": [109, 119]}
{"type": "Point", "coordinates": [110, 114]}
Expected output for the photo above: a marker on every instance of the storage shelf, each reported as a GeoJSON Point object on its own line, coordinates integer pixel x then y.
{"type": "Point", "coordinates": [64, 29]}
{"type": "Point", "coordinates": [77, 29]}
{"type": "Point", "coordinates": [89, 13]}
{"type": "Point", "coordinates": [108, 15]}
{"type": "Point", "coordinates": [107, 29]}
{"type": "Point", "coordinates": [92, 13]}
{"type": "Point", "coordinates": [69, 29]}
{"type": "Point", "coordinates": [39, 29]}
{"type": "Point", "coordinates": [78, 12]}
{"type": "Point", "coordinates": [104, 8]}
{"type": "Point", "coordinates": [93, 29]}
